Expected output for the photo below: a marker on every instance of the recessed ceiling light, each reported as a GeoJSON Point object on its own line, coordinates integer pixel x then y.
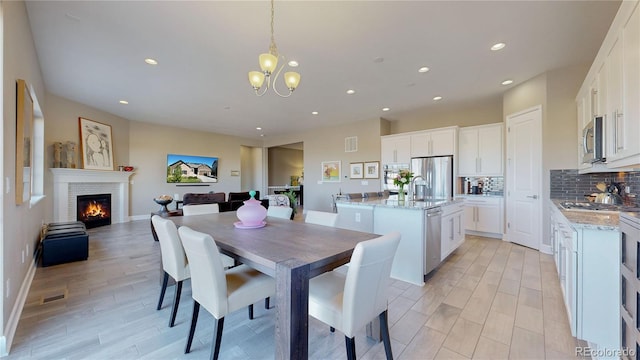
{"type": "Point", "coordinates": [293, 63]}
{"type": "Point", "coordinates": [227, 107]}
{"type": "Point", "coordinates": [314, 113]}
{"type": "Point", "coordinates": [436, 98]}
{"type": "Point", "coordinates": [261, 134]}
{"type": "Point", "coordinates": [124, 102]}
{"type": "Point", "coordinates": [423, 69]}
{"type": "Point", "coordinates": [351, 91]}
{"type": "Point", "coordinates": [498, 46]}
{"type": "Point", "coordinates": [258, 128]}
{"type": "Point", "coordinates": [378, 60]}
{"type": "Point", "coordinates": [507, 82]}
{"type": "Point", "coordinates": [386, 109]}
{"type": "Point", "coordinates": [151, 61]}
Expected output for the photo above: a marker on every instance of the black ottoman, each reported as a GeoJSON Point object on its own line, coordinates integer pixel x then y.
{"type": "Point", "coordinates": [63, 243]}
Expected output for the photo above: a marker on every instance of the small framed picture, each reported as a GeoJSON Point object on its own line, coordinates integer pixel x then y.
{"type": "Point", "coordinates": [331, 171]}
{"type": "Point", "coordinates": [355, 170]}
{"type": "Point", "coordinates": [372, 170]}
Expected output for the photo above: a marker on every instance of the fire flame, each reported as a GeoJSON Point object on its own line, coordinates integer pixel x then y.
{"type": "Point", "coordinates": [95, 210]}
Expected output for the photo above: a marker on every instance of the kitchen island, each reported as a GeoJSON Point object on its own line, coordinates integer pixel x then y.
{"type": "Point", "coordinates": [411, 219]}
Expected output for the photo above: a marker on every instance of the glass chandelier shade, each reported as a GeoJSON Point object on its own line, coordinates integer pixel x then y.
{"type": "Point", "coordinates": [268, 64]}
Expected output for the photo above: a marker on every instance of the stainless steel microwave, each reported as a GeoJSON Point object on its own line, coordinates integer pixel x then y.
{"type": "Point", "coordinates": [593, 141]}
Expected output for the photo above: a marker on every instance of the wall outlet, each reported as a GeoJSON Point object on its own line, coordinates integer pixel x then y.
{"type": "Point", "coordinates": [364, 182]}
{"type": "Point", "coordinates": [627, 189]}
{"type": "Point", "coordinates": [357, 217]}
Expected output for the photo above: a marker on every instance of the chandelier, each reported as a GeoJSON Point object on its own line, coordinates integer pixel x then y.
{"type": "Point", "coordinates": [268, 64]}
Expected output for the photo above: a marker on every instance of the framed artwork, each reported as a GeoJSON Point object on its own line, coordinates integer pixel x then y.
{"type": "Point", "coordinates": [331, 171]}
{"type": "Point", "coordinates": [372, 170]}
{"type": "Point", "coordinates": [24, 126]}
{"type": "Point", "coordinates": [355, 170]}
{"type": "Point", "coordinates": [96, 145]}
{"type": "Point", "coordinates": [193, 169]}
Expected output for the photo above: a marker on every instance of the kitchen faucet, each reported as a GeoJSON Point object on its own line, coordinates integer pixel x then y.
{"type": "Point", "coordinates": [411, 186]}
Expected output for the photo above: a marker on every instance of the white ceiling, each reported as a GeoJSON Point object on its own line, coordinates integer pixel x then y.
{"type": "Point", "coordinates": [93, 52]}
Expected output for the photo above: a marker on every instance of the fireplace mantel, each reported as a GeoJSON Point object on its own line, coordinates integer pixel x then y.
{"type": "Point", "coordinates": [69, 183]}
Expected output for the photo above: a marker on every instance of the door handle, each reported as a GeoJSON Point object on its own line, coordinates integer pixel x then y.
{"type": "Point", "coordinates": [532, 196]}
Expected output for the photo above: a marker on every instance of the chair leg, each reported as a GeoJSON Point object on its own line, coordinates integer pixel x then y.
{"type": "Point", "coordinates": [215, 347]}
{"type": "Point", "coordinates": [351, 347]}
{"type": "Point", "coordinates": [386, 338]}
{"type": "Point", "coordinates": [176, 302]}
{"type": "Point", "coordinates": [266, 303]}
{"type": "Point", "coordinates": [165, 281]}
{"type": "Point", "coordinates": [250, 307]}
{"type": "Point", "coordinates": [192, 329]}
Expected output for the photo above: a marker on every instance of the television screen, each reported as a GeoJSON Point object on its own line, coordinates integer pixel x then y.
{"type": "Point", "coordinates": [191, 169]}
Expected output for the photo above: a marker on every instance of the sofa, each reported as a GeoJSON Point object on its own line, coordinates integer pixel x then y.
{"type": "Point", "coordinates": [230, 203]}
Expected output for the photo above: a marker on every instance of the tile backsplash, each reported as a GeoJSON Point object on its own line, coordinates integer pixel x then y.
{"type": "Point", "coordinates": [568, 184]}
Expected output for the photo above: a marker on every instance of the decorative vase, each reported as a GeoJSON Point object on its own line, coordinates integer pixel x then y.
{"type": "Point", "coordinates": [252, 213]}
{"type": "Point", "coordinates": [401, 194]}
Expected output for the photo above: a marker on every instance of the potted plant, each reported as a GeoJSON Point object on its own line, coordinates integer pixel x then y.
{"type": "Point", "coordinates": [292, 201]}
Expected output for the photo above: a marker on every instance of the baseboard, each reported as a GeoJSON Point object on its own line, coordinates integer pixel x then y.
{"type": "Point", "coordinates": [139, 217]}
{"type": "Point", "coordinates": [14, 318]}
{"type": "Point", "coordinates": [483, 234]}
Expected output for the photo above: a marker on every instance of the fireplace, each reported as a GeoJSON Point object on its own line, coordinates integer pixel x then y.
{"type": "Point", "coordinates": [94, 210]}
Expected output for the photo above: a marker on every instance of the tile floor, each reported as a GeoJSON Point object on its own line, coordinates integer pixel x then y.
{"type": "Point", "coordinates": [489, 300]}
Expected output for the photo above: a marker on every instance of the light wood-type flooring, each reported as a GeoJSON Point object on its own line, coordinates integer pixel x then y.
{"type": "Point", "coordinates": [489, 300]}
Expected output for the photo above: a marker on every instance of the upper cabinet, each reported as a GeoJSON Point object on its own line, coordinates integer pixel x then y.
{"type": "Point", "coordinates": [611, 90]}
{"type": "Point", "coordinates": [435, 142]}
{"type": "Point", "coordinates": [480, 150]}
{"type": "Point", "coordinates": [395, 149]}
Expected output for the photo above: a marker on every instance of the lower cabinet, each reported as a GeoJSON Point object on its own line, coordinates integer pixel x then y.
{"type": "Point", "coordinates": [484, 214]}
{"type": "Point", "coordinates": [630, 285]}
{"type": "Point", "coordinates": [452, 231]}
{"type": "Point", "coordinates": [588, 263]}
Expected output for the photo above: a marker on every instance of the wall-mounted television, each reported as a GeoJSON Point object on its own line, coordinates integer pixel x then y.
{"type": "Point", "coordinates": [184, 169]}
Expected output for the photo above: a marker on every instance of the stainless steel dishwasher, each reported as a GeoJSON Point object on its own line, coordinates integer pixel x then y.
{"type": "Point", "coordinates": [432, 240]}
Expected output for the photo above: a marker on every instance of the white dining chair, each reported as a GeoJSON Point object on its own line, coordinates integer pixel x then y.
{"type": "Point", "coordinates": [283, 212]}
{"type": "Point", "coordinates": [200, 209]}
{"type": "Point", "coordinates": [174, 261]}
{"type": "Point", "coordinates": [321, 218]}
{"type": "Point", "coordinates": [203, 209]}
{"type": "Point", "coordinates": [220, 292]}
{"type": "Point", "coordinates": [348, 302]}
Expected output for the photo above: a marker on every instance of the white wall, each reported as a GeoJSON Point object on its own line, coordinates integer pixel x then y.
{"type": "Point", "coordinates": [149, 145]}
{"type": "Point", "coordinates": [327, 144]}
{"type": "Point", "coordinates": [20, 224]}
{"type": "Point", "coordinates": [284, 163]}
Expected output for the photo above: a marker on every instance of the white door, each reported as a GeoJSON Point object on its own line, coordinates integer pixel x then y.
{"type": "Point", "coordinates": [524, 177]}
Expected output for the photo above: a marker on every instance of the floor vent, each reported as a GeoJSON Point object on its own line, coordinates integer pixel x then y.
{"type": "Point", "coordinates": [46, 300]}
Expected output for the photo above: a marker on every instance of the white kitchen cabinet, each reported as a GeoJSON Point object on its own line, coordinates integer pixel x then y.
{"type": "Point", "coordinates": [395, 149]}
{"type": "Point", "coordinates": [588, 265]}
{"type": "Point", "coordinates": [452, 232]}
{"type": "Point", "coordinates": [480, 150]}
{"type": "Point", "coordinates": [484, 214]}
{"type": "Point", "coordinates": [615, 77]}
{"type": "Point", "coordinates": [624, 60]}
{"type": "Point", "coordinates": [435, 142]}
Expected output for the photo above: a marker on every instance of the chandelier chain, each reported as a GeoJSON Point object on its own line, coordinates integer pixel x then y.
{"type": "Point", "coordinates": [273, 50]}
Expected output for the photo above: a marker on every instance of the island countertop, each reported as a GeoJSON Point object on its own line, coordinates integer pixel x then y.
{"type": "Point", "coordinates": [393, 202]}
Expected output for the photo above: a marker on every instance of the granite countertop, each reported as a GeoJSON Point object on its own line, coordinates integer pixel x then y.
{"type": "Point", "coordinates": [590, 219]}
{"type": "Point", "coordinates": [392, 201]}
{"type": "Point", "coordinates": [498, 195]}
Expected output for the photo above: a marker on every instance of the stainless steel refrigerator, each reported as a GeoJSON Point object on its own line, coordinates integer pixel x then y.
{"type": "Point", "coordinates": [437, 177]}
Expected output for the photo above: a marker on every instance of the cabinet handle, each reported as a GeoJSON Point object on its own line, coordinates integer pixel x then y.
{"type": "Point", "coordinates": [619, 140]}
{"type": "Point", "coordinates": [532, 196]}
{"type": "Point", "coordinates": [451, 236]}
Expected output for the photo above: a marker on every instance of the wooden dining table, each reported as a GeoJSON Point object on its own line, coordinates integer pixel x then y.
{"type": "Point", "coordinates": [290, 251]}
